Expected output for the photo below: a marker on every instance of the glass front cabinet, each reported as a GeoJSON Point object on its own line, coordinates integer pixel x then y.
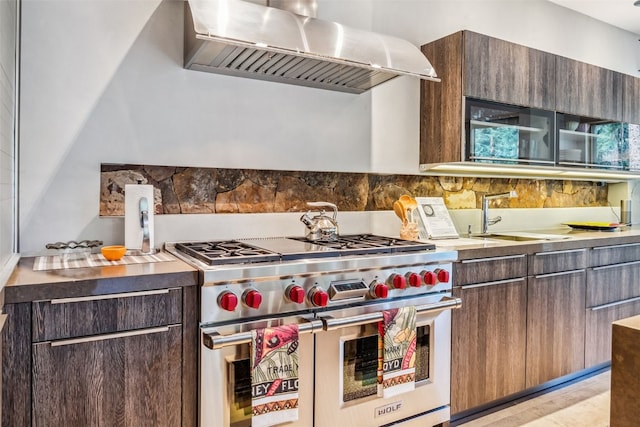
{"type": "Point", "coordinates": [506, 134]}
{"type": "Point", "coordinates": [589, 142]}
{"type": "Point", "coordinates": [498, 133]}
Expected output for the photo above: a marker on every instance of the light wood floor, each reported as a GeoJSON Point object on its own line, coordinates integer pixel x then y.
{"type": "Point", "coordinates": [581, 404]}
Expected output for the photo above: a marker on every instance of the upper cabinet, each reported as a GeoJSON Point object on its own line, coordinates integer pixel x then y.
{"type": "Point", "coordinates": [587, 90]}
{"type": "Point", "coordinates": [500, 71]}
{"type": "Point", "coordinates": [441, 103]}
{"type": "Point", "coordinates": [500, 102]}
{"type": "Point", "coordinates": [477, 66]}
{"type": "Point", "coordinates": [631, 104]}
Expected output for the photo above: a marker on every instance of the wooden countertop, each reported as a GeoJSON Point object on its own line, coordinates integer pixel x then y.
{"type": "Point", "coordinates": [25, 284]}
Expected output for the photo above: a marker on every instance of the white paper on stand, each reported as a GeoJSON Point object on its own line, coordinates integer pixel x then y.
{"type": "Point", "coordinates": [435, 218]}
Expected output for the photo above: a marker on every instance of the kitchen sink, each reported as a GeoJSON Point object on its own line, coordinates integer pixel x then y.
{"type": "Point", "coordinates": [522, 236]}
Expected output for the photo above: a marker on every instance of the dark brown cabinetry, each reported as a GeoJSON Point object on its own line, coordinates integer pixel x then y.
{"type": "Point", "coordinates": [555, 326]}
{"type": "Point", "coordinates": [631, 106]}
{"type": "Point", "coordinates": [119, 359]}
{"type": "Point", "coordinates": [587, 90]}
{"type": "Point", "coordinates": [613, 293]}
{"type": "Point", "coordinates": [477, 66]}
{"type": "Point", "coordinates": [489, 331]}
{"type": "Point", "coordinates": [506, 72]}
{"type": "Point", "coordinates": [555, 314]}
{"type": "Point", "coordinates": [126, 348]}
{"type": "Point", "coordinates": [598, 329]}
{"type": "Point", "coordinates": [521, 324]}
{"type": "Point", "coordinates": [109, 380]}
{"type": "Point", "coordinates": [489, 342]}
{"type": "Point", "coordinates": [556, 261]}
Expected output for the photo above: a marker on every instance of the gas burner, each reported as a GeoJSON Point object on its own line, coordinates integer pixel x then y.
{"type": "Point", "coordinates": [283, 249]}
{"type": "Point", "coordinates": [362, 244]}
{"type": "Point", "coordinates": [227, 252]}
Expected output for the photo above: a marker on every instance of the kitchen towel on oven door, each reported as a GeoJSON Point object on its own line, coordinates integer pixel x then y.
{"type": "Point", "coordinates": [274, 375]}
{"type": "Point", "coordinates": [397, 351]}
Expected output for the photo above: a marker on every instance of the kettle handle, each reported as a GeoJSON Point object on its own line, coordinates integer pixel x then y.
{"type": "Point", "coordinates": [325, 204]}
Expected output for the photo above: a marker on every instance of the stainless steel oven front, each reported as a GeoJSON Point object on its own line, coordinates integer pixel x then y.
{"type": "Point", "coordinates": [336, 294]}
{"type": "Point", "coordinates": [225, 378]}
{"type": "Point", "coordinates": [347, 363]}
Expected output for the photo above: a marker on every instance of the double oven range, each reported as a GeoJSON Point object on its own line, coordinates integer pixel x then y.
{"type": "Point", "coordinates": [335, 292]}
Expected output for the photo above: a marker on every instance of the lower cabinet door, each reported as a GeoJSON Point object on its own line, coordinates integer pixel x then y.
{"type": "Point", "coordinates": [599, 332]}
{"type": "Point", "coordinates": [124, 379]}
{"type": "Point", "coordinates": [488, 343]}
{"type": "Point", "coordinates": [555, 326]}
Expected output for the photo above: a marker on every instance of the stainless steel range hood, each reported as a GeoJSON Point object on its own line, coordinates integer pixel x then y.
{"type": "Point", "coordinates": [239, 38]}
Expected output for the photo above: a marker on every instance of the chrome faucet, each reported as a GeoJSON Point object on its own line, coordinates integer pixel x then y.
{"type": "Point", "coordinates": [485, 221]}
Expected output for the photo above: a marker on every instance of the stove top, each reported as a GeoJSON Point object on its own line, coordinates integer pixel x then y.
{"type": "Point", "coordinates": [362, 244]}
{"type": "Point", "coordinates": [244, 251]}
{"type": "Point", "coordinates": [227, 252]}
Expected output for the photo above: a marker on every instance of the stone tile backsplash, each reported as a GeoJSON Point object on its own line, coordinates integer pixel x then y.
{"type": "Point", "coordinates": [187, 190]}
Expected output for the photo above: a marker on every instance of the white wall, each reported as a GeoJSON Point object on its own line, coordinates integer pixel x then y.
{"type": "Point", "coordinates": [9, 12]}
{"type": "Point", "coordinates": [102, 82]}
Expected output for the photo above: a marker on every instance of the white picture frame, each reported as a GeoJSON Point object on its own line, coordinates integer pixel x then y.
{"type": "Point", "coordinates": [434, 219]}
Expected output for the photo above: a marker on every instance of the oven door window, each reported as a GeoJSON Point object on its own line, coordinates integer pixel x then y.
{"type": "Point", "coordinates": [239, 392]}
{"type": "Point", "coordinates": [360, 362]}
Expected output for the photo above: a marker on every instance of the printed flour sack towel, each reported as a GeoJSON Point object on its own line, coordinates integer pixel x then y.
{"type": "Point", "coordinates": [274, 375]}
{"type": "Point", "coordinates": [397, 351]}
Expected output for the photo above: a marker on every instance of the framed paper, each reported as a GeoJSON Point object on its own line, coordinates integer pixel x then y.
{"type": "Point", "coordinates": [434, 218]}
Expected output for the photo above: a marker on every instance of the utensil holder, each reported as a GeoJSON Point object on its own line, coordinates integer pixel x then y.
{"type": "Point", "coordinates": [625, 212]}
{"type": "Point", "coordinates": [409, 231]}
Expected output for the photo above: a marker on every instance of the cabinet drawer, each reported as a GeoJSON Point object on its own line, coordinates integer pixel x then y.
{"type": "Point", "coordinates": [598, 330]}
{"type": "Point", "coordinates": [482, 270]}
{"type": "Point", "coordinates": [606, 255]}
{"type": "Point", "coordinates": [126, 379]}
{"type": "Point", "coordinates": [612, 283]}
{"type": "Point", "coordinates": [556, 261]}
{"type": "Point", "coordinates": [76, 317]}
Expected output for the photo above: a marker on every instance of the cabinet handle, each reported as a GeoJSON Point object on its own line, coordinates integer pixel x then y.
{"type": "Point", "coordinates": [110, 296]}
{"type": "Point", "coordinates": [597, 248]}
{"type": "Point", "coordinates": [559, 252]}
{"type": "Point", "coordinates": [108, 336]}
{"type": "Point", "coordinates": [215, 341]}
{"type": "Point", "coordinates": [561, 273]}
{"type": "Point", "coordinates": [498, 258]}
{"type": "Point", "coordinates": [613, 304]}
{"type": "Point", "coordinates": [331, 324]}
{"type": "Point", "coordinates": [605, 267]}
{"type": "Point", "coordinates": [497, 282]}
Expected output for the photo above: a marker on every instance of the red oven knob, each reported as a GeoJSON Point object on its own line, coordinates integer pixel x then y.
{"type": "Point", "coordinates": [228, 301]}
{"type": "Point", "coordinates": [318, 297]}
{"type": "Point", "coordinates": [443, 275]}
{"type": "Point", "coordinates": [429, 277]}
{"type": "Point", "coordinates": [252, 298]}
{"type": "Point", "coordinates": [379, 290]}
{"type": "Point", "coordinates": [397, 281]}
{"type": "Point", "coordinates": [295, 294]}
{"type": "Point", "coordinates": [414, 279]}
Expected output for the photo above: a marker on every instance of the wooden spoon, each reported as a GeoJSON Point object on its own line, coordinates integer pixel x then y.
{"type": "Point", "coordinates": [400, 210]}
{"type": "Point", "coordinates": [409, 203]}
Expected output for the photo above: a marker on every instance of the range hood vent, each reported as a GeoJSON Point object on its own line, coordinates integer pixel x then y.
{"type": "Point", "coordinates": [239, 38]}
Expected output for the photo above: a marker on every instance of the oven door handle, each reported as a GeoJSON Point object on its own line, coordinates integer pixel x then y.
{"type": "Point", "coordinates": [213, 340]}
{"type": "Point", "coordinates": [331, 324]}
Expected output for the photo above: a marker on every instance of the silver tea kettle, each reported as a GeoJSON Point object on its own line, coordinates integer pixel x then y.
{"type": "Point", "coordinates": [321, 227]}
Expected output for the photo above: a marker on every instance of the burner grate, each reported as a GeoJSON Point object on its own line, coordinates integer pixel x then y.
{"type": "Point", "coordinates": [362, 244]}
{"type": "Point", "coordinates": [227, 252]}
